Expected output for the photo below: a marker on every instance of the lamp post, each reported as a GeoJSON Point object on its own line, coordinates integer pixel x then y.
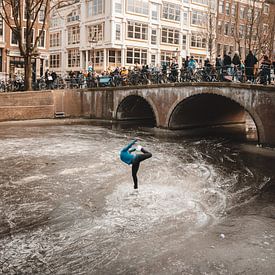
{"type": "Point", "coordinates": [93, 41]}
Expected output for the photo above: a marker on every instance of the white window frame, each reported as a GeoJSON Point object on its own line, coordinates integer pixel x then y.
{"type": "Point", "coordinates": [137, 30]}
{"type": "Point", "coordinates": [73, 35]}
{"type": "Point", "coordinates": [198, 18]}
{"type": "Point", "coordinates": [118, 31]}
{"type": "Point", "coordinates": [138, 6]}
{"type": "Point", "coordinates": [54, 60]}
{"type": "Point", "coordinates": [39, 41]}
{"type": "Point", "coordinates": [198, 40]}
{"type": "Point", "coordinates": [138, 55]}
{"type": "Point", "coordinates": [55, 39]}
{"type": "Point", "coordinates": [75, 58]}
{"type": "Point", "coordinates": [171, 11]}
{"type": "Point", "coordinates": [172, 36]}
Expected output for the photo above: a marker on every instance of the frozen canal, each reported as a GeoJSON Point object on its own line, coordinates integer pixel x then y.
{"type": "Point", "coordinates": [68, 205]}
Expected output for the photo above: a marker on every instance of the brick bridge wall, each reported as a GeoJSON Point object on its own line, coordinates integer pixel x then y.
{"type": "Point", "coordinates": [103, 103]}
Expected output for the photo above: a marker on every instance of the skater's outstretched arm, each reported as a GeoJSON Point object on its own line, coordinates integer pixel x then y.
{"type": "Point", "coordinates": [126, 148]}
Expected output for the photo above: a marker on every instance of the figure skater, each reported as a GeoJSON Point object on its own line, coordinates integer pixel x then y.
{"type": "Point", "coordinates": [134, 159]}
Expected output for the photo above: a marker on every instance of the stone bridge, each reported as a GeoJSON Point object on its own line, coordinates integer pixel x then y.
{"type": "Point", "coordinates": [171, 106]}
{"type": "Point", "coordinates": [184, 105]}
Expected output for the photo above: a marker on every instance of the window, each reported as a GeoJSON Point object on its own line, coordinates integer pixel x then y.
{"type": "Point", "coordinates": [198, 41]}
{"type": "Point", "coordinates": [184, 41]}
{"type": "Point", "coordinates": [137, 30]}
{"type": "Point", "coordinates": [95, 7]}
{"type": "Point", "coordinates": [73, 16]}
{"type": "Point", "coordinates": [201, 2]}
{"type": "Point", "coordinates": [254, 34]}
{"type": "Point", "coordinates": [266, 9]}
{"type": "Point", "coordinates": [114, 57]}
{"type": "Point", "coordinates": [221, 6]}
{"type": "Point", "coordinates": [166, 56]}
{"type": "Point", "coordinates": [171, 11]}
{"type": "Point", "coordinates": [198, 18]}
{"type": "Point", "coordinates": [55, 22]}
{"type": "Point", "coordinates": [233, 27]}
{"type": "Point", "coordinates": [95, 32]}
{"type": "Point", "coordinates": [118, 6]}
{"type": "Point", "coordinates": [15, 10]}
{"type": "Point", "coordinates": [265, 29]}
{"type": "Point", "coordinates": [118, 32]}
{"type": "Point", "coordinates": [14, 38]}
{"type": "Point", "coordinates": [1, 26]}
{"type": "Point", "coordinates": [138, 6]}
{"type": "Point", "coordinates": [154, 37]}
{"type": "Point", "coordinates": [241, 31]}
{"type": "Point", "coordinates": [185, 17]}
{"type": "Point", "coordinates": [218, 49]}
{"type": "Point", "coordinates": [28, 14]}
{"type": "Point", "coordinates": [225, 49]}
{"type": "Point", "coordinates": [153, 59]}
{"type": "Point", "coordinates": [227, 8]}
{"type": "Point", "coordinates": [55, 60]}
{"type": "Point", "coordinates": [73, 35]}
{"type": "Point", "coordinates": [73, 58]}
{"type": "Point", "coordinates": [226, 28]}
{"type": "Point", "coordinates": [27, 35]}
{"type": "Point", "coordinates": [170, 36]}
{"type": "Point", "coordinates": [41, 41]}
{"type": "Point", "coordinates": [249, 14]}
{"type": "Point", "coordinates": [242, 12]}
{"type": "Point", "coordinates": [41, 16]}
{"type": "Point", "coordinates": [99, 58]}
{"type": "Point", "coordinates": [233, 10]}
{"type": "Point", "coordinates": [220, 27]}
{"type": "Point", "coordinates": [55, 39]}
{"type": "Point", "coordinates": [154, 11]}
{"type": "Point", "coordinates": [135, 55]}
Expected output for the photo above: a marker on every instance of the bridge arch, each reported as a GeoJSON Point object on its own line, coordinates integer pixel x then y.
{"type": "Point", "coordinates": [207, 109]}
{"type": "Point", "coordinates": [136, 108]}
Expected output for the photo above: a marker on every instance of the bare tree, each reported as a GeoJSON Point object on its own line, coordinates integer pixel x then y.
{"type": "Point", "coordinates": [211, 28]}
{"type": "Point", "coordinates": [21, 16]}
{"type": "Point", "coordinates": [258, 33]}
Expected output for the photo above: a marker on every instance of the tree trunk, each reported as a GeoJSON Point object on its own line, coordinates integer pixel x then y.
{"type": "Point", "coordinates": [28, 73]}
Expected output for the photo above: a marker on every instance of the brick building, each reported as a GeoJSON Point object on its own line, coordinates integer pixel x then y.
{"type": "Point", "coordinates": [11, 61]}
{"type": "Point", "coordinates": [244, 25]}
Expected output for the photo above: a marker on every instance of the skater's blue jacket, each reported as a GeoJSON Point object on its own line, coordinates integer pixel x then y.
{"type": "Point", "coordinates": [125, 153]}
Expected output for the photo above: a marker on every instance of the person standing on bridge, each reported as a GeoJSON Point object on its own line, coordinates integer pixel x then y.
{"type": "Point", "coordinates": [134, 159]}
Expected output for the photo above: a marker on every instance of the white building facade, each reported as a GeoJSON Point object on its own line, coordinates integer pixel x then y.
{"type": "Point", "coordinates": [109, 33]}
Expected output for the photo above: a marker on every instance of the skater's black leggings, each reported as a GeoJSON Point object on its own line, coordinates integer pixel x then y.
{"type": "Point", "coordinates": [135, 165]}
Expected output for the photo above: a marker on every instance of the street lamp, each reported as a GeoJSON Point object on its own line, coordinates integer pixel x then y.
{"type": "Point", "coordinates": [92, 42]}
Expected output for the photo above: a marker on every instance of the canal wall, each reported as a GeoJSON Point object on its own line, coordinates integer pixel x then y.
{"type": "Point", "coordinates": [26, 105]}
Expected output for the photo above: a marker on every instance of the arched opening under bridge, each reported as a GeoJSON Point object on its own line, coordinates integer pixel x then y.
{"type": "Point", "coordinates": [213, 115]}
{"type": "Point", "coordinates": [136, 110]}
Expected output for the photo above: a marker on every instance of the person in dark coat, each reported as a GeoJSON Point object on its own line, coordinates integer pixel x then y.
{"type": "Point", "coordinates": [265, 71]}
{"type": "Point", "coordinates": [249, 63]}
{"type": "Point", "coordinates": [236, 59]}
{"type": "Point", "coordinates": [227, 62]}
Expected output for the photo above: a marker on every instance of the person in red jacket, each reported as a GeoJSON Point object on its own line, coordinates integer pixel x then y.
{"type": "Point", "coordinates": [134, 159]}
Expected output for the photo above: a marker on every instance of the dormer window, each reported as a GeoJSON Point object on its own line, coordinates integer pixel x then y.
{"type": "Point", "coordinates": [73, 16]}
